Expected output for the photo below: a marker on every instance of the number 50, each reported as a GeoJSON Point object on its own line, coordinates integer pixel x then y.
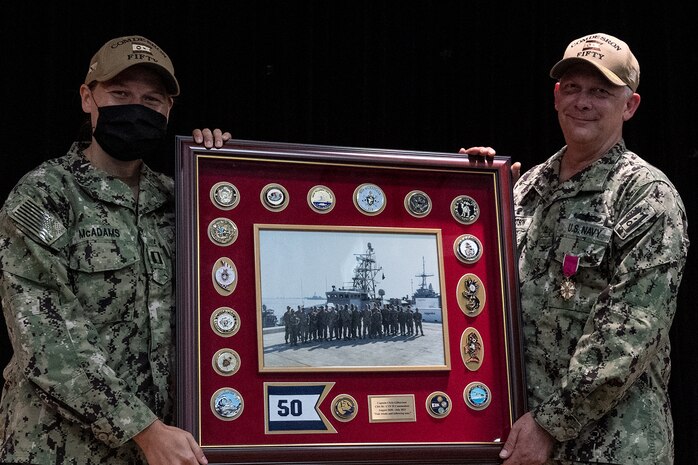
{"type": "Point", "coordinates": [293, 408]}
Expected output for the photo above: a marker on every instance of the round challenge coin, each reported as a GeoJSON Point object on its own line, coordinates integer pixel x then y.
{"type": "Point", "coordinates": [321, 199]}
{"type": "Point", "coordinates": [369, 199]}
{"type": "Point", "coordinates": [225, 321]}
{"type": "Point", "coordinates": [467, 248]}
{"type": "Point", "coordinates": [222, 231]}
{"type": "Point", "coordinates": [274, 197]}
{"type": "Point", "coordinates": [465, 209]}
{"type": "Point", "coordinates": [225, 195]}
{"type": "Point", "coordinates": [438, 404]}
{"type": "Point", "coordinates": [226, 362]}
{"type": "Point", "coordinates": [227, 404]}
{"type": "Point", "coordinates": [344, 407]}
{"type": "Point", "coordinates": [477, 395]}
{"type": "Point", "coordinates": [418, 204]}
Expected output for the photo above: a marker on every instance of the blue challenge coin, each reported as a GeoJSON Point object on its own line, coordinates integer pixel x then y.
{"type": "Point", "coordinates": [477, 396]}
{"type": "Point", "coordinates": [321, 199]}
{"type": "Point", "coordinates": [227, 404]}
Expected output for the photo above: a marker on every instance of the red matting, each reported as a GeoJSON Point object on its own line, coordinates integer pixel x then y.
{"type": "Point", "coordinates": [465, 433]}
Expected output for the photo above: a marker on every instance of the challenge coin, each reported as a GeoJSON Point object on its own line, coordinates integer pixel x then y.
{"type": "Point", "coordinates": [369, 199]}
{"type": "Point", "coordinates": [417, 204]}
{"type": "Point", "coordinates": [222, 231]}
{"type": "Point", "coordinates": [477, 395]}
{"type": "Point", "coordinates": [225, 195]}
{"type": "Point", "coordinates": [226, 362]}
{"type": "Point", "coordinates": [467, 248]}
{"type": "Point", "coordinates": [470, 294]}
{"type": "Point", "coordinates": [344, 407]}
{"type": "Point", "coordinates": [438, 404]}
{"type": "Point", "coordinates": [227, 404]}
{"type": "Point", "coordinates": [472, 350]}
{"type": "Point", "coordinates": [225, 276]}
{"type": "Point", "coordinates": [274, 197]}
{"type": "Point", "coordinates": [225, 321]}
{"type": "Point", "coordinates": [321, 199]}
{"type": "Point", "coordinates": [465, 209]}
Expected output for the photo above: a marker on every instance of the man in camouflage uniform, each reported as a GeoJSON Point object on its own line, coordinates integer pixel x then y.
{"type": "Point", "coordinates": [87, 274]}
{"type": "Point", "coordinates": [602, 238]}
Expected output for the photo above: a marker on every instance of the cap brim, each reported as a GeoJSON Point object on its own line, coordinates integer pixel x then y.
{"type": "Point", "coordinates": [563, 65]}
{"type": "Point", "coordinates": [170, 82]}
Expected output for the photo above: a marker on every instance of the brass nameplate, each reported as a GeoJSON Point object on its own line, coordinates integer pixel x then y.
{"type": "Point", "coordinates": [395, 408]}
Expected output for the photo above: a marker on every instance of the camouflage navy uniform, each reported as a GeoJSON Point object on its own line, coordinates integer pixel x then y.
{"type": "Point", "coordinates": [87, 293]}
{"type": "Point", "coordinates": [598, 364]}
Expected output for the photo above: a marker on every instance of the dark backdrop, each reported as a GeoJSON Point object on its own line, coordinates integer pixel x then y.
{"type": "Point", "coordinates": [420, 75]}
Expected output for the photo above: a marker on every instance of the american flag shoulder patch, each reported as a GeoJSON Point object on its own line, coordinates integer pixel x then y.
{"type": "Point", "coordinates": [36, 221]}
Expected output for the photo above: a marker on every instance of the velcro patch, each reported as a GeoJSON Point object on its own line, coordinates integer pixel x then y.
{"type": "Point", "coordinates": [639, 215]}
{"type": "Point", "coordinates": [36, 221]}
{"type": "Point", "coordinates": [586, 230]}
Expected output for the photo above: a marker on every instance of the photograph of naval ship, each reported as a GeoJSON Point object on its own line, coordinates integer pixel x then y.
{"type": "Point", "coordinates": [376, 300]}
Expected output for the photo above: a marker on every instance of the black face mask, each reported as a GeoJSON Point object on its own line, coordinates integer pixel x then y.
{"type": "Point", "coordinates": [130, 132]}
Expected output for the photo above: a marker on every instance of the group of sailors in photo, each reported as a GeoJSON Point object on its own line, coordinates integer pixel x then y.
{"type": "Point", "coordinates": [348, 322]}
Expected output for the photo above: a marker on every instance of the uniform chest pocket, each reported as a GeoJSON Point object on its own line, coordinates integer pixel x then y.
{"type": "Point", "coordinates": [591, 276]}
{"type": "Point", "coordinates": [591, 252]}
{"type": "Point", "coordinates": [587, 241]}
{"type": "Point", "coordinates": [104, 274]}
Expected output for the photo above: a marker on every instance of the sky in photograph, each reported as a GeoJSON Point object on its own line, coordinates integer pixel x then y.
{"type": "Point", "coordinates": [301, 263]}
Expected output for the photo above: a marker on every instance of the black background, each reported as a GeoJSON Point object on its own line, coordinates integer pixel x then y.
{"type": "Point", "coordinates": [420, 75]}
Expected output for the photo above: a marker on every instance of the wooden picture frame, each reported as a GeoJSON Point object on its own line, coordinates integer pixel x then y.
{"type": "Point", "coordinates": [372, 233]}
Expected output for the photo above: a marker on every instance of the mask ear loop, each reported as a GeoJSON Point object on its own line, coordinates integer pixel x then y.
{"type": "Point", "coordinates": [92, 96]}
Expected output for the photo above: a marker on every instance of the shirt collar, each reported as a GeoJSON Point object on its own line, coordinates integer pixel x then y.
{"type": "Point", "coordinates": [107, 188]}
{"type": "Point", "coordinates": [590, 179]}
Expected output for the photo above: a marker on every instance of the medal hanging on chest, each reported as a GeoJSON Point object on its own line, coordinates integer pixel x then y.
{"type": "Point", "coordinates": [569, 269]}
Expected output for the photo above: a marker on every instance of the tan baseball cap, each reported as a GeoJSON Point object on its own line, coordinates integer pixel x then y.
{"type": "Point", "coordinates": [123, 52]}
{"type": "Point", "coordinates": [608, 54]}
